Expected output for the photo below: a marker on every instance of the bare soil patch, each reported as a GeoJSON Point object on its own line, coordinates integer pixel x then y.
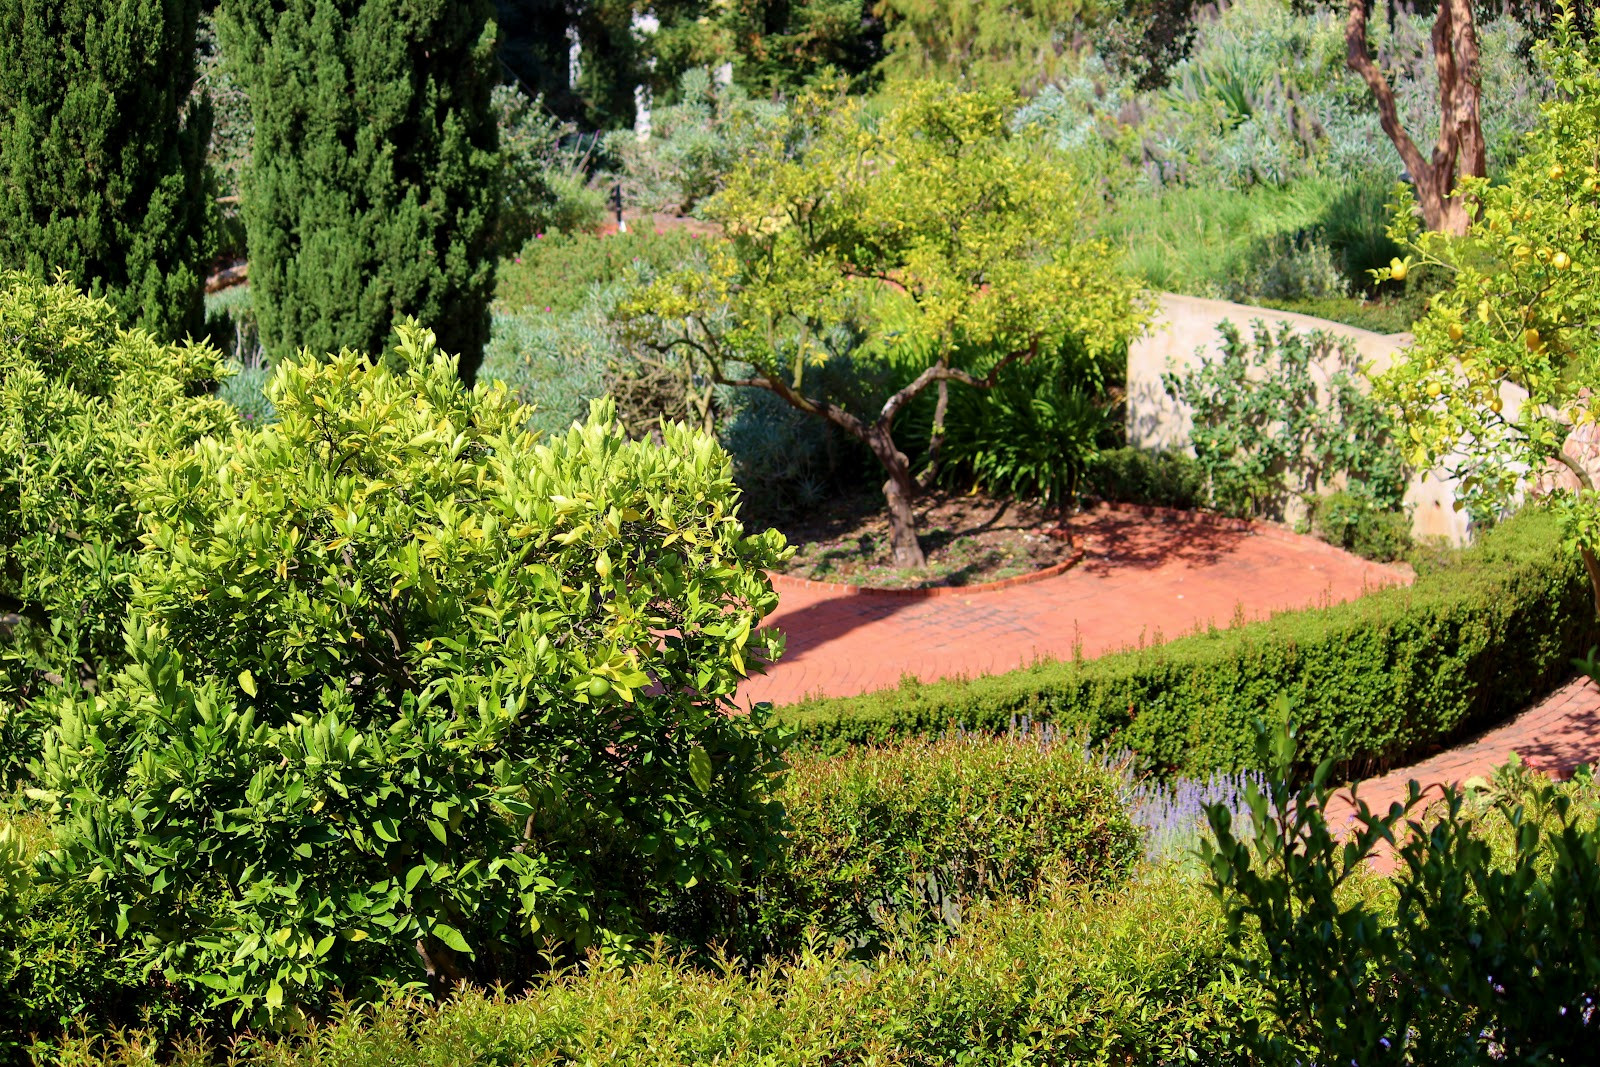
{"type": "Point", "coordinates": [969, 540]}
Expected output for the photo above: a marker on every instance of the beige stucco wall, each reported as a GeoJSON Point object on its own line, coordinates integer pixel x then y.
{"type": "Point", "coordinates": [1185, 335]}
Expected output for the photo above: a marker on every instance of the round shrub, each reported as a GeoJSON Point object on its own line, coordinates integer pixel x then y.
{"type": "Point", "coordinates": [412, 693]}
{"type": "Point", "coordinates": [902, 837]}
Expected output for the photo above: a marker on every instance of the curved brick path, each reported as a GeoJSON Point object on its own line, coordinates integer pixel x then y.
{"type": "Point", "coordinates": [1144, 577]}
{"type": "Point", "coordinates": [1554, 736]}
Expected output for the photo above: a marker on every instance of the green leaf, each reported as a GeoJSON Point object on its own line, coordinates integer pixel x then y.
{"type": "Point", "coordinates": [451, 937]}
{"type": "Point", "coordinates": [700, 768]}
{"type": "Point", "coordinates": [247, 682]}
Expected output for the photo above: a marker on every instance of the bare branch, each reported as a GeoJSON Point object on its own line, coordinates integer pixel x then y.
{"type": "Point", "coordinates": [940, 371]}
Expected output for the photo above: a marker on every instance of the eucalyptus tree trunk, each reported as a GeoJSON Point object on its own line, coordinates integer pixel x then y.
{"type": "Point", "coordinates": [1460, 151]}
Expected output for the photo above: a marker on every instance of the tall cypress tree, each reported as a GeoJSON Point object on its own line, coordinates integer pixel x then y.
{"type": "Point", "coordinates": [102, 153]}
{"type": "Point", "coordinates": [373, 181]}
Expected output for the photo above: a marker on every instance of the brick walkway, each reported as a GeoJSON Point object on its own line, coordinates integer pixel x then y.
{"type": "Point", "coordinates": [1144, 578]}
{"type": "Point", "coordinates": [1553, 736]}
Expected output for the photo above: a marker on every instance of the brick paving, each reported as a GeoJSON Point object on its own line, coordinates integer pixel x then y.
{"type": "Point", "coordinates": [1146, 576]}
{"type": "Point", "coordinates": [1554, 736]}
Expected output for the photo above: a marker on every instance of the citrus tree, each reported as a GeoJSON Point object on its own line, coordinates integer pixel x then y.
{"type": "Point", "coordinates": [1523, 311]}
{"type": "Point", "coordinates": [412, 692]}
{"type": "Point", "coordinates": [833, 209]}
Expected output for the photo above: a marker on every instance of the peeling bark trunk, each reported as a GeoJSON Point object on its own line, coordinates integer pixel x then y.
{"type": "Point", "coordinates": [941, 407]}
{"type": "Point", "coordinates": [1460, 151]}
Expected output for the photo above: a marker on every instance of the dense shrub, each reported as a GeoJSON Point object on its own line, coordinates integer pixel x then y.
{"type": "Point", "coordinates": [887, 842]}
{"type": "Point", "coordinates": [103, 154]}
{"type": "Point", "coordinates": [1470, 954]}
{"type": "Point", "coordinates": [544, 180]}
{"type": "Point", "coordinates": [82, 405]}
{"type": "Point", "coordinates": [1372, 681]}
{"type": "Point", "coordinates": [1133, 476]}
{"type": "Point", "coordinates": [559, 272]}
{"type": "Point", "coordinates": [694, 143]}
{"type": "Point", "coordinates": [1356, 524]}
{"type": "Point", "coordinates": [373, 180]}
{"type": "Point", "coordinates": [400, 701]}
{"type": "Point", "coordinates": [1133, 977]}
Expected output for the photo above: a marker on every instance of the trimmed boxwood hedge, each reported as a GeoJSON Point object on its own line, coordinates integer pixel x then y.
{"type": "Point", "coordinates": [1371, 683]}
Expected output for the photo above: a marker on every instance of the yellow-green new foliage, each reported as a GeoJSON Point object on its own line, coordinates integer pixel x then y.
{"type": "Point", "coordinates": [413, 691]}
{"type": "Point", "coordinates": [936, 199]}
{"type": "Point", "coordinates": [83, 404]}
{"type": "Point", "coordinates": [1522, 311]}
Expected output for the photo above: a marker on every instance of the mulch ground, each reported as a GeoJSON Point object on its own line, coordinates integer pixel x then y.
{"type": "Point", "coordinates": [968, 539]}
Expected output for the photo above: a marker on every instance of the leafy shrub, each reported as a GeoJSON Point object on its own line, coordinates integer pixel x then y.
{"type": "Point", "coordinates": [1356, 524]}
{"type": "Point", "coordinates": [900, 839]}
{"type": "Point", "coordinates": [1473, 958]}
{"type": "Point", "coordinates": [1283, 414]}
{"type": "Point", "coordinates": [1134, 476]}
{"type": "Point", "coordinates": [693, 144]}
{"type": "Point", "coordinates": [1373, 680]}
{"type": "Point", "coordinates": [559, 272]}
{"type": "Point", "coordinates": [1035, 433]}
{"type": "Point", "coordinates": [82, 405]}
{"type": "Point", "coordinates": [544, 184]}
{"type": "Point", "coordinates": [1135, 977]}
{"type": "Point", "coordinates": [411, 693]}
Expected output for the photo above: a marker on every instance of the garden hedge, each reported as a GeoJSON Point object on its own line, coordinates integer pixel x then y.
{"type": "Point", "coordinates": [1371, 683]}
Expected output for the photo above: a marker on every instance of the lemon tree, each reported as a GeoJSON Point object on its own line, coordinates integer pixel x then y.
{"type": "Point", "coordinates": [1523, 311]}
{"type": "Point", "coordinates": [933, 202]}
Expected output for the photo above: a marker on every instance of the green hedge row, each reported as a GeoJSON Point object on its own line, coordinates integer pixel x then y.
{"type": "Point", "coordinates": [1372, 682]}
{"type": "Point", "coordinates": [887, 847]}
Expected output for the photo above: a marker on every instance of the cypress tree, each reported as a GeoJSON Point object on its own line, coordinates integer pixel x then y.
{"type": "Point", "coordinates": [373, 181]}
{"type": "Point", "coordinates": [102, 154]}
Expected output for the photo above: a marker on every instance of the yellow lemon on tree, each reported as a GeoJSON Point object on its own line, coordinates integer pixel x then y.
{"type": "Point", "coordinates": [1397, 269]}
{"type": "Point", "coordinates": [1455, 331]}
{"type": "Point", "coordinates": [1434, 389]}
{"type": "Point", "coordinates": [1531, 338]}
{"type": "Point", "coordinates": [1561, 261]}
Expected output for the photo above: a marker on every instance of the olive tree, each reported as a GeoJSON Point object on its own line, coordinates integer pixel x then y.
{"type": "Point", "coordinates": [412, 692]}
{"type": "Point", "coordinates": [1523, 311]}
{"type": "Point", "coordinates": [836, 213]}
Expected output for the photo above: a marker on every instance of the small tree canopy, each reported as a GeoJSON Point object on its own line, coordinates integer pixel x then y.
{"type": "Point", "coordinates": [838, 212]}
{"type": "Point", "coordinates": [1524, 310]}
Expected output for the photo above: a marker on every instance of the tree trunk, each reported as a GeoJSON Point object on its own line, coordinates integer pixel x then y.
{"type": "Point", "coordinates": [1460, 151]}
{"type": "Point", "coordinates": [899, 491]}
